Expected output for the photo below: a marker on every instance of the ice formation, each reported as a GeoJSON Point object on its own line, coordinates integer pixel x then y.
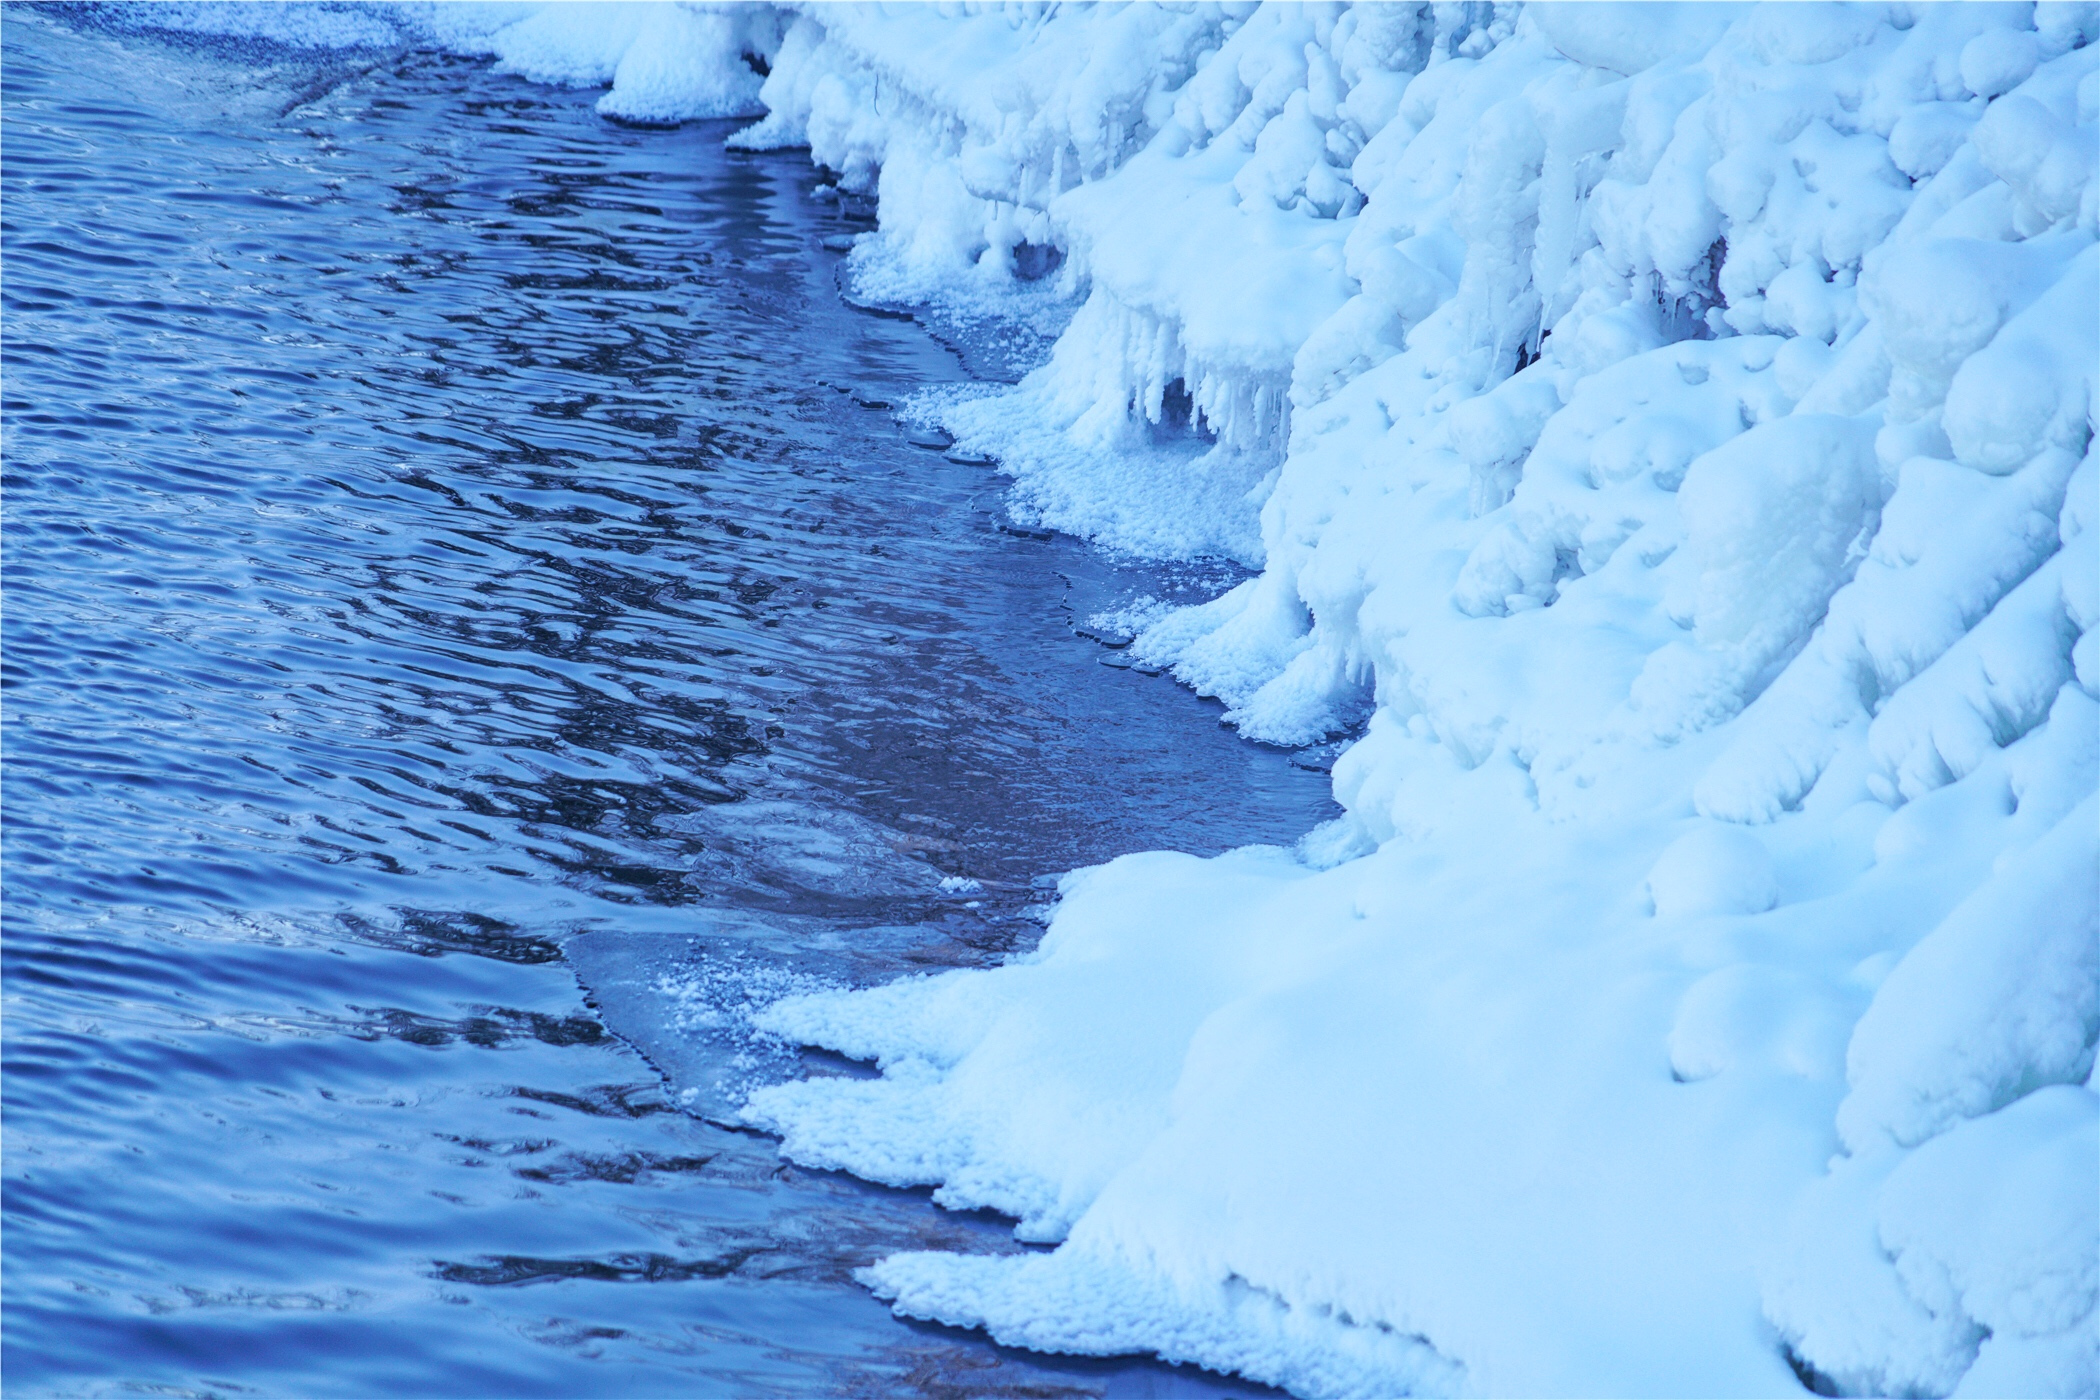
{"type": "Point", "coordinates": [1665, 435]}
{"type": "Point", "coordinates": [1667, 431]}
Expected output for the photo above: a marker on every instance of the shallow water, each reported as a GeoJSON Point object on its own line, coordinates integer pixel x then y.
{"type": "Point", "coordinates": [472, 624]}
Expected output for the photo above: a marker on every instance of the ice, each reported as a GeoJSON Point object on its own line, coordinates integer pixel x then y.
{"type": "Point", "coordinates": [1664, 434]}
{"type": "Point", "coordinates": [993, 1147]}
{"type": "Point", "coordinates": [295, 26]}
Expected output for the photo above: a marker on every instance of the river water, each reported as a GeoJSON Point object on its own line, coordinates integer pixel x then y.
{"type": "Point", "coordinates": [473, 625]}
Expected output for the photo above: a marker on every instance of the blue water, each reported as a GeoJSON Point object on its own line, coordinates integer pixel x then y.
{"type": "Point", "coordinates": [471, 621]}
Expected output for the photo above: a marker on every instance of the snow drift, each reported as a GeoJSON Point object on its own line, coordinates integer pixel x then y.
{"type": "Point", "coordinates": [1665, 434]}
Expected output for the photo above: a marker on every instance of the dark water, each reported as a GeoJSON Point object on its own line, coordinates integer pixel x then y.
{"type": "Point", "coordinates": [465, 636]}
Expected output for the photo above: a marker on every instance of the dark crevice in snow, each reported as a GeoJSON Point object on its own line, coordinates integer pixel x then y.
{"type": "Point", "coordinates": [1691, 313]}
{"type": "Point", "coordinates": [1179, 418]}
{"type": "Point", "coordinates": [1812, 1380]}
{"type": "Point", "coordinates": [1035, 261]}
{"type": "Point", "coordinates": [1528, 353]}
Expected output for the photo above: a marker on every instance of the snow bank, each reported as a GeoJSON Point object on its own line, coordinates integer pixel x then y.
{"type": "Point", "coordinates": [1165, 154]}
{"type": "Point", "coordinates": [662, 62]}
{"type": "Point", "coordinates": [1666, 436]}
{"type": "Point", "coordinates": [1667, 431]}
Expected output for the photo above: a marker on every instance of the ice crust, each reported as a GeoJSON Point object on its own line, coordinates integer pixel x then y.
{"type": "Point", "coordinates": [1666, 437]}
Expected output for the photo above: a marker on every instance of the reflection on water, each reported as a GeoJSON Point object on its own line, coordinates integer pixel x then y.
{"type": "Point", "coordinates": [465, 633]}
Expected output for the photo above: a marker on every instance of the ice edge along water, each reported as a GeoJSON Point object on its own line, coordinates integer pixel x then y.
{"type": "Point", "coordinates": [1667, 431]}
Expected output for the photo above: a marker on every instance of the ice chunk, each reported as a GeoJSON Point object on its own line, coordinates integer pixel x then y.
{"type": "Point", "coordinates": [1941, 300]}
{"type": "Point", "coordinates": [1967, 1265]}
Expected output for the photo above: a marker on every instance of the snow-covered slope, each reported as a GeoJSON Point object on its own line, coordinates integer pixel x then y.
{"type": "Point", "coordinates": [1667, 432]}
{"type": "Point", "coordinates": [1672, 428]}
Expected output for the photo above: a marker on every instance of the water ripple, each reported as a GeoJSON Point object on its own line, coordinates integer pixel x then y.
{"type": "Point", "coordinates": [448, 555]}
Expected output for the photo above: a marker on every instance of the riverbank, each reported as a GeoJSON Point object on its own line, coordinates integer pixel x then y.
{"type": "Point", "coordinates": [1672, 429]}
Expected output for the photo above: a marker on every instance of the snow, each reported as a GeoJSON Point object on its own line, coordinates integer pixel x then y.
{"type": "Point", "coordinates": [1665, 437]}
{"type": "Point", "coordinates": [2001, 997]}
{"type": "Point", "coordinates": [662, 62]}
{"type": "Point", "coordinates": [1713, 870]}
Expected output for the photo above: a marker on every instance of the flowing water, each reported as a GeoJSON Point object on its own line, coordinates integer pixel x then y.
{"type": "Point", "coordinates": [473, 626]}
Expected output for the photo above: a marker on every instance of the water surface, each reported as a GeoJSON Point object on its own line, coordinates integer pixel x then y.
{"type": "Point", "coordinates": [473, 623]}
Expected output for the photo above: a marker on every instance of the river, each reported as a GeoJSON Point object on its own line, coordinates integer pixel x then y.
{"type": "Point", "coordinates": [474, 625]}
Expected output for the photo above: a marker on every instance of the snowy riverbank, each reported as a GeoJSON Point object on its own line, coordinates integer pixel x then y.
{"type": "Point", "coordinates": [1672, 429]}
{"type": "Point", "coordinates": [1666, 438]}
